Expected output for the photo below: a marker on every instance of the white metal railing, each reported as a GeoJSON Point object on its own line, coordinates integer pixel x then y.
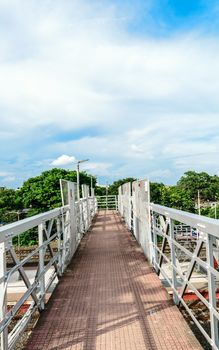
{"type": "Point", "coordinates": [109, 202]}
{"type": "Point", "coordinates": [182, 247]}
{"type": "Point", "coordinates": [163, 226]}
{"type": "Point", "coordinates": [61, 228]}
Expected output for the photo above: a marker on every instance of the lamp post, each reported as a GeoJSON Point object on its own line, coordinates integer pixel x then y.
{"type": "Point", "coordinates": [78, 176]}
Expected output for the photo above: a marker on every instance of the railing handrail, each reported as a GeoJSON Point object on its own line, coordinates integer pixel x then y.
{"type": "Point", "coordinates": [13, 229]}
{"type": "Point", "coordinates": [112, 196]}
{"type": "Point", "coordinates": [65, 226]}
{"type": "Point", "coordinates": [203, 223]}
{"type": "Point", "coordinates": [154, 227]}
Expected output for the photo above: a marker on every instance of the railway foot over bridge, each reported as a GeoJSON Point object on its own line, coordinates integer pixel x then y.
{"type": "Point", "coordinates": [104, 272]}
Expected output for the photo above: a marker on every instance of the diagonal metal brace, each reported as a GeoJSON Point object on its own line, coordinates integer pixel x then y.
{"type": "Point", "coordinates": [164, 243]}
{"type": "Point", "coordinates": [191, 267]}
{"type": "Point", "coordinates": [24, 276]}
{"type": "Point", "coordinates": [47, 233]}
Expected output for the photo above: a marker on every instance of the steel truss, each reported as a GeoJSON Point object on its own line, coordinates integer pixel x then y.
{"type": "Point", "coordinates": [156, 228]}
{"type": "Point", "coordinates": [63, 227]}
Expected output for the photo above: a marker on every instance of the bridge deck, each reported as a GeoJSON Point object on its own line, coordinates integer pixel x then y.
{"type": "Point", "coordinates": [110, 299]}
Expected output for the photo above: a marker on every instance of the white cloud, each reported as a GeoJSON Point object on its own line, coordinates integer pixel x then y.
{"type": "Point", "coordinates": [70, 66]}
{"type": "Point", "coordinates": [9, 179]}
{"type": "Point", "coordinates": [63, 160]}
{"type": "Point", "coordinates": [100, 169]}
{"type": "Point", "coordinates": [4, 173]}
{"type": "Point", "coordinates": [99, 69]}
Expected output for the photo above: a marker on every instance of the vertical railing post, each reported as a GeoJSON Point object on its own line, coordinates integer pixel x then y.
{"type": "Point", "coordinates": [93, 206]}
{"type": "Point", "coordinates": [107, 202]}
{"type": "Point", "coordinates": [72, 229]}
{"type": "Point", "coordinates": [88, 212]}
{"type": "Point", "coordinates": [96, 205]}
{"type": "Point", "coordinates": [41, 266]}
{"type": "Point", "coordinates": [60, 249]}
{"type": "Point", "coordinates": [65, 225]}
{"type": "Point", "coordinates": [212, 289]}
{"type": "Point", "coordinates": [3, 295]}
{"type": "Point", "coordinates": [173, 261]}
{"type": "Point", "coordinates": [154, 240]}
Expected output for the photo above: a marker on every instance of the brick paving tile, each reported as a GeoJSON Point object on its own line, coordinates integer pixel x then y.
{"type": "Point", "coordinates": [110, 299]}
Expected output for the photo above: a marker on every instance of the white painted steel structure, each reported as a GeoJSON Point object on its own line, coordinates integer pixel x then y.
{"type": "Point", "coordinates": [108, 202]}
{"type": "Point", "coordinates": [156, 228]}
{"type": "Point", "coordinates": [63, 226]}
{"type": "Point", "coordinates": [159, 230]}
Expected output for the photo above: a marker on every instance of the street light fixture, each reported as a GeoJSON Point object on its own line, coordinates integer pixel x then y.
{"type": "Point", "coordinates": [78, 175]}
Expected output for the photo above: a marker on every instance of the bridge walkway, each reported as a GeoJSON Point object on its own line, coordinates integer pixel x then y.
{"type": "Point", "coordinates": [110, 299]}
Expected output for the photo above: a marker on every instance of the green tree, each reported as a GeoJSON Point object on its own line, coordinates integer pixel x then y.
{"type": "Point", "coordinates": [10, 202]}
{"type": "Point", "coordinates": [156, 192]}
{"type": "Point", "coordinates": [113, 189]}
{"type": "Point", "coordinates": [175, 197]}
{"type": "Point", "coordinates": [100, 190]}
{"type": "Point", "coordinates": [43, 192]}
{"type": "Point", "coordinates": [208, 185]}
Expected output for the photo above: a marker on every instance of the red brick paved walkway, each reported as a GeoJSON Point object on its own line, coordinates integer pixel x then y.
{"type": "Point", "coordinates": [110, 299]}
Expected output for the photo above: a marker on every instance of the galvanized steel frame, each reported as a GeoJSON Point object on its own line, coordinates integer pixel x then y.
{"type": "Point", "coordinates": [161, 223]}
{"type": "Point", "coordinates": [107, 202]}
{"type": "Point", "coordinates": [67, 225]}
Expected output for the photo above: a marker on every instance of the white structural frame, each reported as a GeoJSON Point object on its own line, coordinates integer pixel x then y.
{"type": "Point", "coordinates": [160, 221]}
{"type": "Point", "coordinates": [65, 225]}
{"type": "Point", "coordinates": [108, 202]}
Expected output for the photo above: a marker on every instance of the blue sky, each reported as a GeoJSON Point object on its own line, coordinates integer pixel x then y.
{"type": "Point", "coordinates": [131, 85]}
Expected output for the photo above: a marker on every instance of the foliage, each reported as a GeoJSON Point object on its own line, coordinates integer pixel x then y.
{"type": "Point", "coordinates": [100, 190]}
{"type": "Point", "coordinates": [175, 197]}
{"type": "Point", "coordinates": [157, 192]}
{"type": "Point", "coordinates": [208, 185]}
{"type": "Point", "coordinates": [43, 192]}
{"type": "Point", "coordinates": [9, 199]}
{"type": "Point", "coordinates": [184, 195]}
{"type": "Point", "coordinates": [10, 203]}
{"type": "Point", "coordinates": [113, 189]}
{"type": "Point", "coordinates": [38, 194]}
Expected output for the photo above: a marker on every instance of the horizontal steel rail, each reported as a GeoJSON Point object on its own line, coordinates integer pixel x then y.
{"type": "Point", "coordinates": [202, 223]}
{"type": "Point", "coordinates": [209, 232]}
{"type": "Point", "coordinates": [11, 230]}
{"type": "Point", "coordinates": [61, 227]}
{"type": "Point", "coordinates": [108, 202]}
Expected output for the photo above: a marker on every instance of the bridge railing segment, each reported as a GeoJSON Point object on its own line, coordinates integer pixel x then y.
{"type": "Point", "coordinates": [59, 232]}
{"type": "Point", "coordinates": [108, 202]}
{"type": "Point", "coordinates": [183, 248]}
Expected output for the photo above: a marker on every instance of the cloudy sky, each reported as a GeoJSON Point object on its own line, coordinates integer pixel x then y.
{"type": "Point", "coordinates": [133, 85]}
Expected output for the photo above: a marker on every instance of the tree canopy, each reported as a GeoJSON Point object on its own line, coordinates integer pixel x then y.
{"type": "Point", "coordinates": [38, 194]}
{"type": "Point", "coordinates": [113, 189]}
{"type": "Point", "coordinates": [42, 192]}
{"type": "Point", "coordinates": [208, 185]}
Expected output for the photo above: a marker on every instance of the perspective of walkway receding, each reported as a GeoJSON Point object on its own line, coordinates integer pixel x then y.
{"type": "Point", "coordinates": [110, 299]}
